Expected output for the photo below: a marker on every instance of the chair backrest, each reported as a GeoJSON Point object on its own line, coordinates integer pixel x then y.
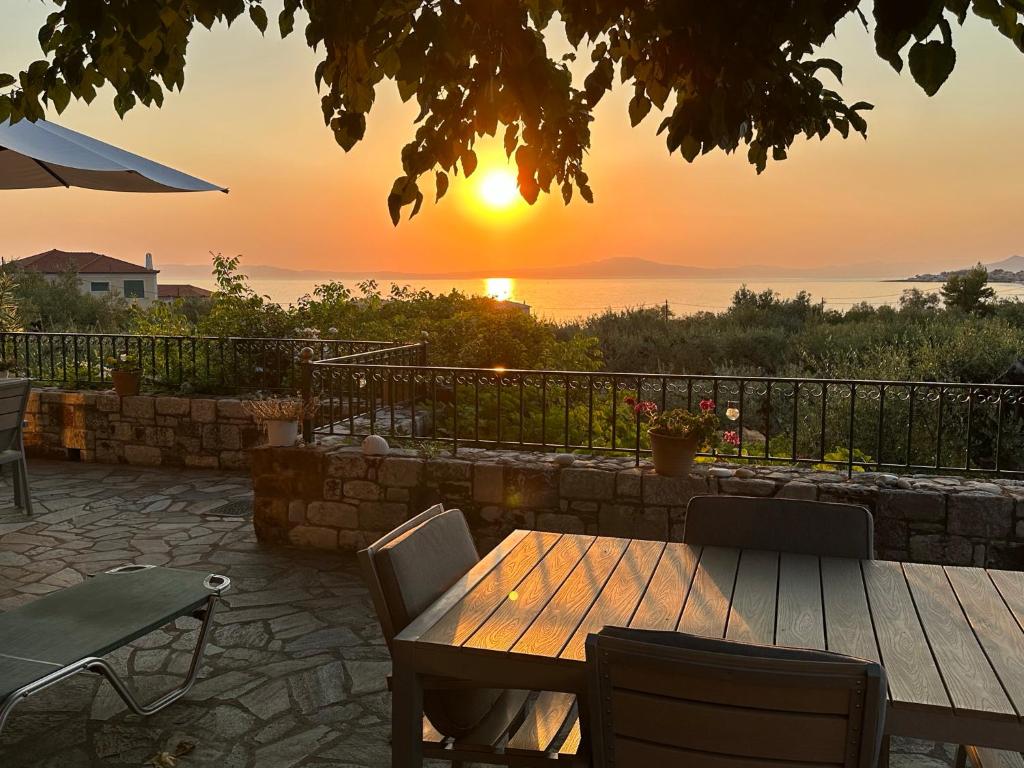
{"type": "Point", "coordinates": [782, 525]}
{"type": "Point", "coordinates": [13, 400]}
{"type": "Point", "coordinates": [412, 566]}
{"type": "Point", "coordinates": [667, 698]}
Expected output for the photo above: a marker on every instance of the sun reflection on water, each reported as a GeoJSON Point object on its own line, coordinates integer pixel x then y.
{"type": "Point", "coordinates": [499, 288]}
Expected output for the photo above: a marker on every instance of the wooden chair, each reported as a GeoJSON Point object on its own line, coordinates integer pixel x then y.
{"type": "Point", "coordinates": [667, 698]}
{"type": "Point", "coordinates": [982, 757]}
{"type": "Point", "coordinates": [408, 569]}
{"type": "Point", "coordinates": [784, 525]}
{"type": "Point", "coordinates": [14, 395]}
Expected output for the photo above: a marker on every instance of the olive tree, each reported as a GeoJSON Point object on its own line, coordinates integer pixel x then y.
{"type": "Point", "coordinates": [726, 75]}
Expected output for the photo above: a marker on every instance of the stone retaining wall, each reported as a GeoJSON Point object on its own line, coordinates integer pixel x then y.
{"type": "Point", "coordinates": [337, 498]}
{"type": "Point", "coordinates": [145, 430]}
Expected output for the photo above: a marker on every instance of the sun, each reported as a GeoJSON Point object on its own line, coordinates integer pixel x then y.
{"type": "Point", "coordinates": [498, 189]}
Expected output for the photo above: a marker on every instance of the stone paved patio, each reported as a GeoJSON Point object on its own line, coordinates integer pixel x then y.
{"type": "Point", "coordinates": [294, 676]}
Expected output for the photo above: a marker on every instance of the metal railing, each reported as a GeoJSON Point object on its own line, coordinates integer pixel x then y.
{"type": "Point", "coordinates": [846, 425]}
{"type": "Point", "coordinates": [202, 363]}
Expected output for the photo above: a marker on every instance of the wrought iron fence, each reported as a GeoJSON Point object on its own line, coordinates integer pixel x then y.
{"type": "Point", "coordinates": [199, 363]}
{"type": "Point", "coordinates": [847, 425]}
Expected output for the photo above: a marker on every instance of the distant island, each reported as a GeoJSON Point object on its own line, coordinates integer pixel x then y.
{"type": "Point", "coordinates": [1009, 270]}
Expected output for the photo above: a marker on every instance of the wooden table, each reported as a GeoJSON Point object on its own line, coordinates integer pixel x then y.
{"type": "Point", "coordinates": [950, 638]}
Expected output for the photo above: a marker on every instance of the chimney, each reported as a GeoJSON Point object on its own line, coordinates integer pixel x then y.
{"type": "Point", "coordinates": [149, 261]}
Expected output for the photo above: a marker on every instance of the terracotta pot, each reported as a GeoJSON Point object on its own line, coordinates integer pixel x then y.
{"type": "Point", "coordinates": [673, 456]}
{"type": "Point", "coordinates": [126, 383]}
{"type": "Point", "coordinates": [282, 433]}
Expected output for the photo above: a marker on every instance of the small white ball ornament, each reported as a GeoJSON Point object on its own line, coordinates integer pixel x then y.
{"type": "Point", "coordinates": [375, 445]}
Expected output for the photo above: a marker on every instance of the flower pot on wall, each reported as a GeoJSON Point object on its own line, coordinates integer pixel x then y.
{"type": "Point", "coordinates": [126, 383]}
{"type": "Point", "coordinates": [282, 433]}
{"type": "Point", "coordinates": [673, 456]}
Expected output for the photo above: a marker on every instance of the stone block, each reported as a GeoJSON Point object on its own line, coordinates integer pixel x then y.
{"type": "Point", "coordinates": [980, 515]}
{"type": "Point", "coordinates": [333, 489]}
{"type": "Point", "coordinates": [617, 520]}
{"type": "Point", "coordinates": [108, 403]}
{"type": "Point", "coordinates": [743, 486]}
{"type": "Point", "coordinates": [381, 515]}
{"type": "Point", "coordinates": [400, 472]}
{"type": "Point", "coordinates": [229, 408]}
{"type": "Point", "coordinates": [314, 537]}
{"type": "Point", "coordinates": [448, 471]}
{"type": "Point", "coordinates": [332, 515]}
{"type": "Point", "coordinates": [651, 523]}
{"type": "Point", "coordinates": [531, 485]}
{"type": "Point", "coordinates": [489, 483]}
{"type": "Point", "coordinates": [143, 455]}
{"type": "Point", "coordinates": [798, 490]}
{"type": "Point", "coordinates": [203, 411]}
{"type": "Point", "coordinates": [1007, 556]}
{"type": "Point", "coordinates": [296, 512]}
{"type": "Point", "coordinates": [849, 493]}
{"type": "Point", "coordinates": [629, 483]}
{"type": "Point", "coordinates": [397, 494]}
{"type": "Point", "coordinates": [233, 459]}
{"type": "Point", "coordinates": [173, 406]}
{"type": "Point", "coordinates": [939, 548]}
{"type": "Point", "coordinates": [559, 523]}
{"type": "Point", "coordinates": [363, 490]}
{"type": "Point", "coordinates": [347, 465]}
{"type": "Point", "coordinates": [914, 506]}
{"type": "Point", "coordinates": [891, 533]}
{"type": "Point", "coordinates": [587, 484]}
{"type": "Point", "coordinates": [221, 437]}
{"type": "Point", "coordinates": [672, 491]}
{"type": "Point", "coordinates": [139, 407]}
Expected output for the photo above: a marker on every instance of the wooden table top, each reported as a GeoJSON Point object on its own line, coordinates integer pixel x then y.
{"type": "Point", "coordinates": [950, 638]}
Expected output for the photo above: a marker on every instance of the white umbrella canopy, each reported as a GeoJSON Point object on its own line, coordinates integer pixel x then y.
{"type": "Point", "coordinates": [42, 154]}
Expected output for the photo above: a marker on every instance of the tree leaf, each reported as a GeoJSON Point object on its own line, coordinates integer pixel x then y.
{"type": "Point", "coordinates": [931, 63]}
{"type": "Point", "coordinates": [442, 184]}
{"type": "Point", "coordinates": [639, 106]}
{"type": "Point", "coordinates": [259, 17]}
{"type": "Point", "coordinates": [7, 80]}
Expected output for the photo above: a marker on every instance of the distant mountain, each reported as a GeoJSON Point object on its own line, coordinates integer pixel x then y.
{"type": "Point", "coordinates": [1009, 264]}
{"type": "Point", "coordinates": [619, 268]}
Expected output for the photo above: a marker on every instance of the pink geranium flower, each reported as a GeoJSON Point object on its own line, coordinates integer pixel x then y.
{"type": "Point", "coordinates": [707, 405]}
{"type": "Point", "coordinates": [732, 437]}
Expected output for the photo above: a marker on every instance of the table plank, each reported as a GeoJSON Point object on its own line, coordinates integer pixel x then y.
{"type": "Point", "coordinates": [507, 624]}
{"type": "Point", "coordinates": [707, 607]}
{"type": "Point", "coordinates": [662, 604]}
{"type": "Point", "coordinates": [970, 680]}
{"type": "Point", "coordinates": [621, 595]}
{"type": "Point", "coordinates": [801, 620]}
{"type": "Point", "coordinates": [752, 615]}
{"type": "Point", "coordinates": [1011, 586]}
{"type": "Point", "coordinates": [469, 613]}
{"type": "Point", "coordinates": [847, 616]}
{"type": "Point", "coordinates": [913, 677]}
{"type": "Point", "coordinates": [551, 630]}
{"type": "Point", "coordinates": [995, 626]}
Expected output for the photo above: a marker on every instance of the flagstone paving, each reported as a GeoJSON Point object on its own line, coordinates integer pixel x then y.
{"type": "Point", "coordinates": [295, 674]}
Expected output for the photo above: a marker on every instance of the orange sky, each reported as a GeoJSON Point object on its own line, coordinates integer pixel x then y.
{"type": "Point", "coordinates": [937, 184]}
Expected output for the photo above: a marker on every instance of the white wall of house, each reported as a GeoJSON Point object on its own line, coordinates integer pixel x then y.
{"type": "Point", "coordinates": [113, 283]}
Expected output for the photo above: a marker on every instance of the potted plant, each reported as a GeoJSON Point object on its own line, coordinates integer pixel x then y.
{"type": "Point", "coordinates": [280, 416]}
{"type": "Point", "coordinates": [677, 435]}
{"type": "Point", "coordinates": [125, 373]}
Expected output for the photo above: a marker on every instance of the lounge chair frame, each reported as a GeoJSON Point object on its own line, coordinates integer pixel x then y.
{"type": "Point", "coordinates": [215, 583]}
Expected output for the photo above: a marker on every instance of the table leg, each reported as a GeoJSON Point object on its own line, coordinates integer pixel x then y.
{"type": "Point", "coordinates": [406, 719]}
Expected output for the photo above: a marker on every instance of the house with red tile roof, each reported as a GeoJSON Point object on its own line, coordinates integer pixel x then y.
{"type": "Point", "coordinates": [172, 291]}
{"type": "Point", "coordinates": [98, 274]}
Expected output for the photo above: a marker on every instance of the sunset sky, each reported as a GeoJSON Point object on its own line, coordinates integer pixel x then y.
{"type": "Point", "coordinates": [938, 183]}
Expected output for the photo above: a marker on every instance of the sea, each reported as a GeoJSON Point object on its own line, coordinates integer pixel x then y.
{"type": "Point", "coordinates": [565, 300]}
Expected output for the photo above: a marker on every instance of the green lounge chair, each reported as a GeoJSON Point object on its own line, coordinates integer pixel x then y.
{"type": "Point", "coordinates": [66, 632]}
